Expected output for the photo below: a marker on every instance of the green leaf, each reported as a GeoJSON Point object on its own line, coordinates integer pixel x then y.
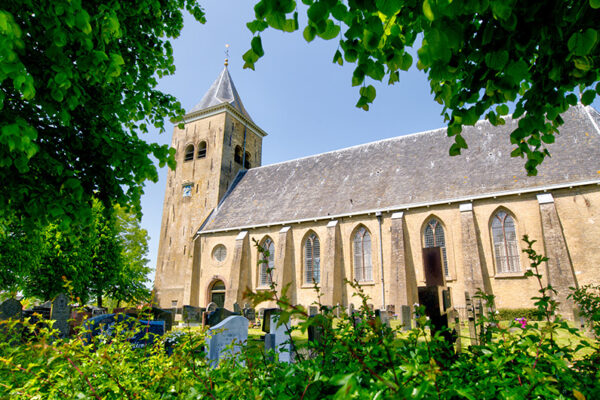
{"type": "Point", "coordinates": [588, 97]}
{"type": "Point", "coordinates": [256, 45]}
{"type": "Point", "coordinates": [309, 33]}
{"type": "Point", "coordinates": [257, 26]}
{"type": "Point", "coordinates": [454, 150]}
{"type": "Point", "coordinates": [583, 63]}
{"type": "Point", "coordinates": [369, 92]}
{"type": "Point", "coordinates": [337, 58]}
{"type": "Point", "coordinates": [407, 61]}
{"type": "Point", "coordinates": [389, 7]}
{"type": "Point", "coordinates": [595, 4]}
{"type": "Point", "coordinates": [331, 31]}
{"type": "Point", "coordinates": [502, 109]}
{"type": "Point", "coordinates": [250, 57]}
{"type": "Point", "coordinates": [317, 12]}
{"type": "Point", "coordinates": [582, 43]}
{"type": "Point", "coordinates": [496, 60]}
{"type": "Point", "coordinates": [427, 11]}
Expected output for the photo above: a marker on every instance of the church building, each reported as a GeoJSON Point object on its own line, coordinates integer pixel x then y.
{"type": "Point", "coordinates": [368, 213]}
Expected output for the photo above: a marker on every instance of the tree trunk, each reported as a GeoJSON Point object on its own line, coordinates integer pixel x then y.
{"type": "Point", "coordinates": [99, 301]}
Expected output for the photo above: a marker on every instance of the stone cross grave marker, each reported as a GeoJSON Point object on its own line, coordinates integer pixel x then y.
{"type": "Point", "coordinates": [60, 313]}
{"type": "Point", "coordinates": [11, 309]}
{"type": "Point", "coordinates": [232, 331]}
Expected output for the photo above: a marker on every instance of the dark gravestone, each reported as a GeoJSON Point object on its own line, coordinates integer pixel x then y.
{"type": "Point", "coordinates": [217, 316]}
{"type": "Point", "coordinates": [266, 326]}
{"type": "Point", "coordinates": [141, 333]}
{"type": "Point", "coordinates": [315, 332]}
{"type": "Point", "coordinates": [60, 313]}
{"type": "Point", "coordinates": [11, 309]}
{"type": "Point", "coordinates": [236, 309]}
{"type": "Point", "coordinates": [383, 317]}
{"type": "Point", "coordinates": [160, 314]}
{"type": "Point", "coordinates": [471, 320]}
{"type": "Point", "coordinates": [250, 314]}
{"type": "Point", "coordinates": [192, 315]}
{"type": "Point", "coordinates": [312, 311]}
{"type": "Point", "coordinates": [432, 263]}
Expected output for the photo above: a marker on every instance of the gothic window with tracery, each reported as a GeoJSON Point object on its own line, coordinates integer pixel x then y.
{"type": "Point", "coordinates": [363, 268]}
{"type": "Point", "coordinates": [312, 259]}
{"type": "Point", "coordinates": [434, 237]}
{"type": "Point", "coordinates": [264, 276]}
{"type": "Point", "coordinates": [506, 245]}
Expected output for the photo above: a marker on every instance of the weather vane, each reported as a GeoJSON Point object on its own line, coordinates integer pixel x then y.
{"type": "Point", "coordinates": [226, 55]}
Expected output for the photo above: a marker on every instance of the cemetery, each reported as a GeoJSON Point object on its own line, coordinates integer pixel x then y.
{"type": "Point", "coordinates": [293, 352]}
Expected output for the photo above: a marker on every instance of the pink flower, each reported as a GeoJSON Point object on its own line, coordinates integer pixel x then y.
{"type": "Point", "coordinates": [522, 321]}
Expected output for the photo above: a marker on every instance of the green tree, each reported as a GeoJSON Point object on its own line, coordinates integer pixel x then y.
{"type": "Point", "coordinates": [77, 87]}
{"type": "Point", "coordinates": [479, 55]}
{"type": "Point", "coordinates": [106, 256]}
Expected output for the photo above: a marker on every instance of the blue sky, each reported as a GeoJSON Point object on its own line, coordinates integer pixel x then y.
{"type": "Point", "coordinates": [302, 100]}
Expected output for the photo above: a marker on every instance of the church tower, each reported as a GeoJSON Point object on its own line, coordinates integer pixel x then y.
{"type": "Point", "coordinates": [219, 140]}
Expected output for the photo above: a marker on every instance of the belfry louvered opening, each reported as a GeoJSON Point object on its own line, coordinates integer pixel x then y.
{"type": "Point", "coordinates": [189, 153]}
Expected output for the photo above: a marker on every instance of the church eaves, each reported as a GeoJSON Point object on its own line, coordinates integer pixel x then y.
{"type": "Point", "coordinates": [406, 172]}
{"type": "Point", "coordinates": [222, 91]}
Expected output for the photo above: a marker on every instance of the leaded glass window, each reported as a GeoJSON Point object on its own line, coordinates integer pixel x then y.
{"type": "Point", "coordinates": [265, 277]}
{"type": "Point", "coordinates": [312, 259]}
{"type": "Point", "coordinates": [506, 246]}
{"type": "Point", "coordinates": [363, 266]}
{"type": "Point", "coordinates": [434, 237]}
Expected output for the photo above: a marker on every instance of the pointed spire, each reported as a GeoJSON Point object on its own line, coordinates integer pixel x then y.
{"type": "Point", "coordinates": [222, 91]}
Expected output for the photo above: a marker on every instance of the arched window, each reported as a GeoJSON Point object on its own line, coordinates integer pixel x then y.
{"type": "Point", "coordinates": [247, 161]}
{"type": "Point", "coordinates": [264, 278]}
{"type": "Point", "coordinates": [434, 237]}
{"type": "Point", "coordinates": [189, 153]}
{"type": "Point", "coordinates": [237, 157]}
{"type": "Point", "coordinates": [363, 268]}
{"type": "Point", "coordinates": [506, 246]}
{"type": "Point", "coordinates": [202, 149]}
{"type": "Point", "coordinates": [312, 259]}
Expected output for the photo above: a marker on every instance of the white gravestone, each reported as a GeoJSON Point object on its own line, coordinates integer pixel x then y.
{"type": "Point", "coordinates": [232, 330]}
{"type": "Point", "coordinates": [282, 342]}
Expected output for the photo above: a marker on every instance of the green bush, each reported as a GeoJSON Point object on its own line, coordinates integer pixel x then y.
{"type": "Point", "coordinates": [357, 358]}
{"type": "Point", "coordinates": [510, 314]}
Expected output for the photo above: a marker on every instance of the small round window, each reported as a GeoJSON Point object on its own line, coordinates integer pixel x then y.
{"type": "Point", "coordinates": [219, 253]}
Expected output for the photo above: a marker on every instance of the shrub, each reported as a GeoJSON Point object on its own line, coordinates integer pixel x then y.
{"type": "Point", "coordinates": [357, 358]}
{"type": "Point", "coordinates": [511, 314]}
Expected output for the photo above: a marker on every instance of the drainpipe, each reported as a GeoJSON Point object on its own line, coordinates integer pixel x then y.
{"type": "Point", "coordinates": [378, 215]}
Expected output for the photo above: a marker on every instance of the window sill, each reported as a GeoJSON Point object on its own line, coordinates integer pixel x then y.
{"type": "Point", "coordinates": [309, 286]}
{"type": "Point", "coordinates": [263, 288]}
{"type": "Point", "coordinates": [367, 283]}
{"type": "Point", "coordinates": [509, 275]}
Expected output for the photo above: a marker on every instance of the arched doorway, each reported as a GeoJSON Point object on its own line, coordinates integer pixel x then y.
{"type": "Point", "coordinates": [217, 293]}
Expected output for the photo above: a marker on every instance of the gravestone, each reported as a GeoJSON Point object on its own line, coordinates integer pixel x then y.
{"type": "Point", "coordinates": [471, 319]}
{"type": "Point", "coordinates": [315, 333]}
{"type": "Point", "coordinates": [267, 318]}
{"type": "Point", "coordinates": [391, 310]}
{"type": "Point", "coordinates": [312, 311]}
{"type": "Point", "coordinates": [160, 314]}
{"type": "Point", "coordinates": [383, 317]}
{"type": "Point", "coordinates": [11, 309]}
{"type": "Point", "coordinates": [232, 331]}
{"type": "Point", "coordinates": [406, 318]}
{"type": "Point", "coordinates": [192, 315]}
{"type": "Point", "coordinates": [281, 339]}
{"type": "Point", "coordinates": [144, 332]}
{"type": "Point", "coordinates": [250, 314]}
{"type": "Point", "coordinates": [211, 307]}
{"type": "Point", "coordinates": [218, 316]}
{"type": "Point", "coordinates": [350, 309]}
{"type": "Point", "coordinates": [60, 313]}
{"type": "Point", "coordinates": [338, 310]}
{"type": "Point", "coordinates": [236, 308]}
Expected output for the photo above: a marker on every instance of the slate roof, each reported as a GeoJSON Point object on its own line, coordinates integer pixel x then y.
{"type": "Point", "coordinates": [407, 171]}
{"type": "Point", "coordinates": [222, 91]}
